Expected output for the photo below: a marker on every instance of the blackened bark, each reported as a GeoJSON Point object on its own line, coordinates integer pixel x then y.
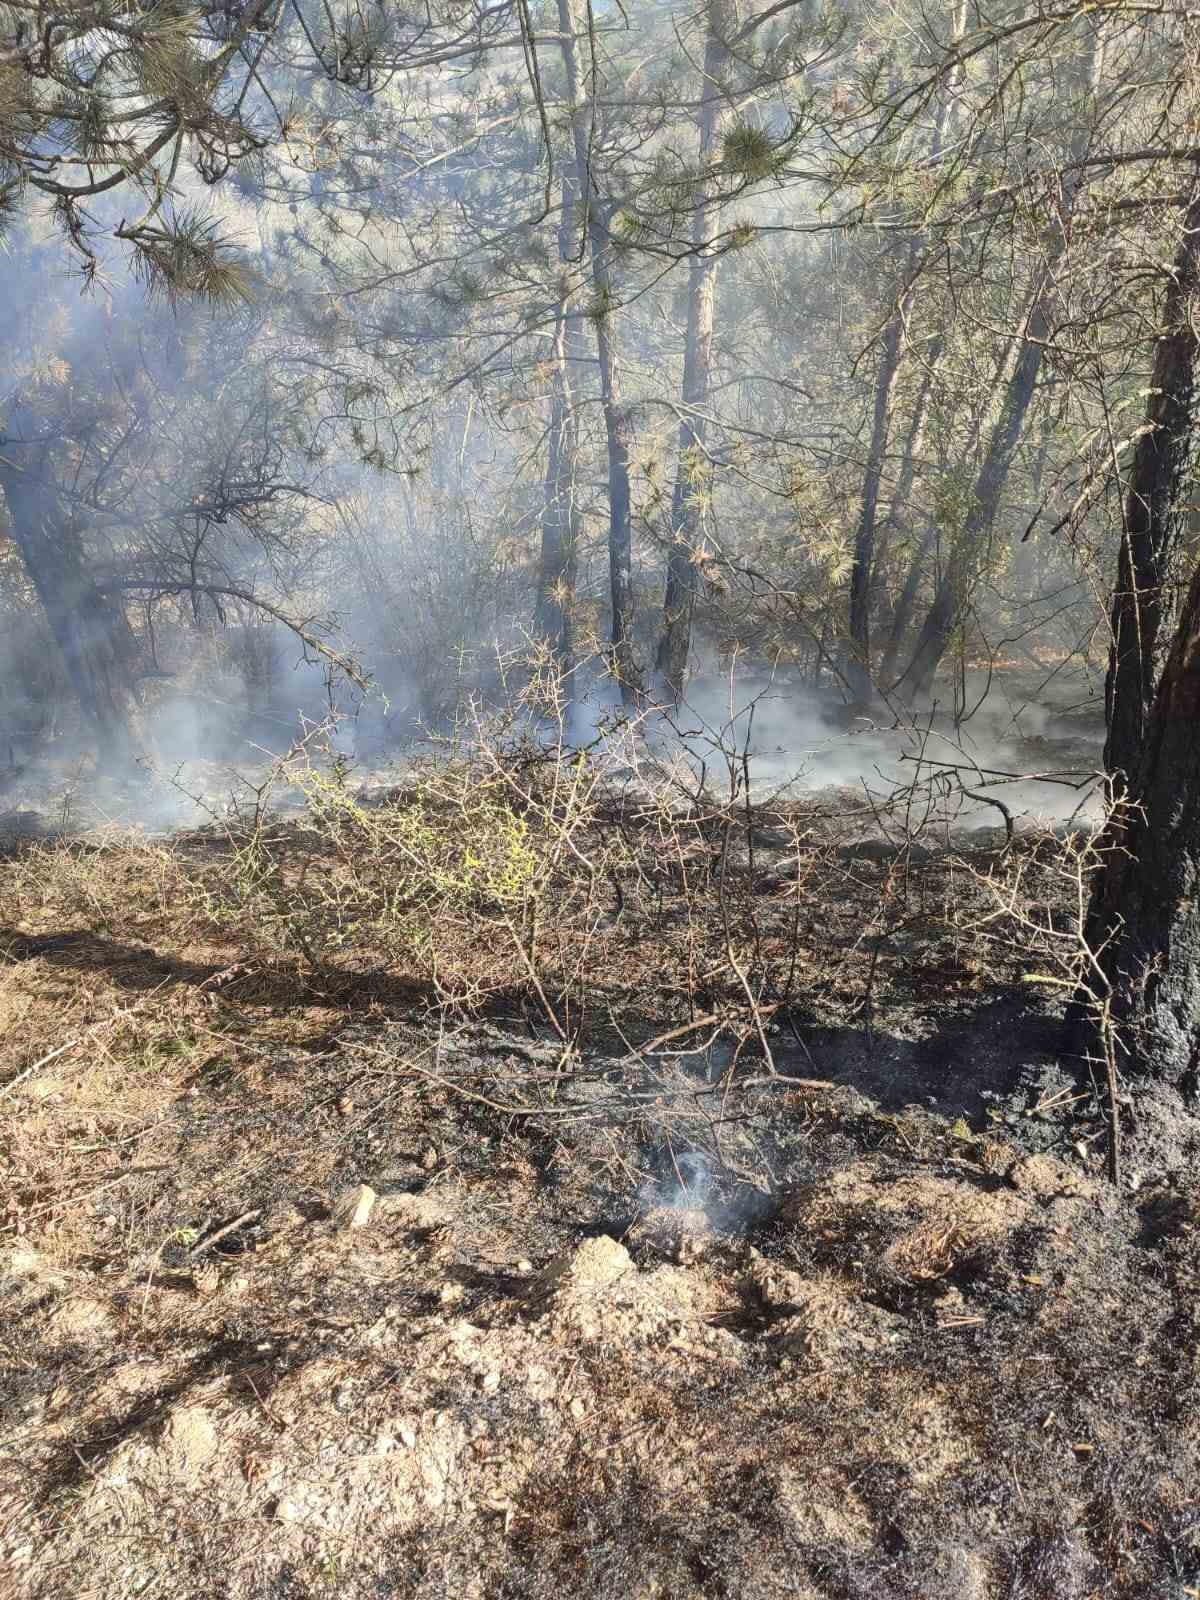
{"type": "Point", "coordinates": [91, 629]}
{"type": "Point", "coordinates": [858, 660]}
{"type": "Point", "coordinates": [619, 433]}
{"type": "Point", "coordinates": [692, 477]}
{"type": "Point", "coordinates": [1154, 516]}
{"type": "Point", "coordinates": [1146, 911]}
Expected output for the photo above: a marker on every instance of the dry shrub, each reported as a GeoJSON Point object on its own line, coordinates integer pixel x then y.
{"type": "Point", "coordinates": [454, 870]}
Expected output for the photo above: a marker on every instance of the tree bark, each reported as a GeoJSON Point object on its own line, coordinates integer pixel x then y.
{"type": "Point", "coordinates": [1154, 517]}
{"type": "Point", "coordinates": [858, 658]}
{"type": "Point", "coordinates": [618, 424]}
{"type": "Point", "coordinates": [692, 478]}
{"type": "Point", "coordinates": [906, 604]}
{"type": "Point", "coordinates": [1145, 924]}
{"type": "Point", "coordinates": [898, 518]}
{"type": "Point", "coordinates": [560, 517]}
{"type": "Point", "coordinates": [969, 551]}
{"type": "Point", "coordinates": [91, 630]}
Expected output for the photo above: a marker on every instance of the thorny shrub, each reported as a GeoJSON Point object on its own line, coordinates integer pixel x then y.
{"type": "Point", "coordinates": [477, 840]}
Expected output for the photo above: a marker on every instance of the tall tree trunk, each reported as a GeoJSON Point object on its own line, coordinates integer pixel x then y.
{"type": "Point", "coordinates": [1145, 924]}
{"type": "Point", "coordinates": [1024, 551]}
{"type": "Point", "coordinates": [1143, 920]}
{"type": "Point", "coordinates": [858, 659]}
{"type": "Point", "coordinates": [557, 567]}
{"type": "Point", "coordinates": [968, 553]}
{"type": "Point", "coordinates": [1154, 517]}
{"type": "Point", "coordinates": [692, 478]}
{"type": "Point", "coordinates": [898, 520]}
{"type": "Point", "coordinates": [618, 424]}
{"type": "Point", "coordinates": [91, 629]}
{"type": "Point", "coordinates": [906, 604]}
{"type": "Point", "coordinates": [970, 548]}
{"type": "Point", "coordinates": [560, 517]}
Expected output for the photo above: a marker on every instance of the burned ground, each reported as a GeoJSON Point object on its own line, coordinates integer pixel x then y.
{"type": "Point", "coordinates": [644, 1316]}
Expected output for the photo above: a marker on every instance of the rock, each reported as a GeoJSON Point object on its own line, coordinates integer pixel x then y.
{"type": "Point", "coordinates": [678, 1232]}
{"type": "Point", "coordinates": [591, 1265]}
{"type": "Point", "coordinates": [189, 1440]}
{"type": "Point", "coordinates": [777, 1286]}
{"type": "Point", "coordinates": [353, 1207]}
{"type": "Point", "coordinates": [877, 850]}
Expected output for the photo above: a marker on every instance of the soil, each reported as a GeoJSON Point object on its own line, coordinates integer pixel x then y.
{"type": "Point", "coordinates": [318, 1289]}
{"type": "Point", "coordinates": [897, 1336]}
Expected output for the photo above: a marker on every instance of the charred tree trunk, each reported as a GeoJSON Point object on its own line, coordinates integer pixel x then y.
{"type": "Point", "coordinates": [692, 477]}
{"type": "Point", "coordinates": [1154, 516]}
{"type": "Point", "coordinates": [91, 629]}
{"type": "Point", "coordinates": [1145, 925]}
{"type": "Point", "coordinates": [858, 659]}
{"type": "Point", "coordinates": [1143, 922]}
{"type": "Point", "coordinates": [557, 567]}
{"type": "Point", "coordinates": [617, 422]}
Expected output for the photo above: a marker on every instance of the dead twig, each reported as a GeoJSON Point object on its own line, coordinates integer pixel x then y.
{"type": "Point", "coordinates": [223, 1233]}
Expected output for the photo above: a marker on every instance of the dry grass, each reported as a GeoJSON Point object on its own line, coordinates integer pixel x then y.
{"type": "Point", "coordinates": [807, 1388]}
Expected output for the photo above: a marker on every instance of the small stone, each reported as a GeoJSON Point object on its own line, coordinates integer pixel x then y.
{"type": "Point", "coordinates": [524, 1266]}
{"type": "Point", "coordinates": [353, 1207]}
{"type": "Point", "coordinates": [491, 1382]}
{"type": "Point", "coordinates": [594, 1264]}
{"type": "Point", "coordinates": [190, 1439]}
{"type": "Point", "coordinates": [578, 1409]}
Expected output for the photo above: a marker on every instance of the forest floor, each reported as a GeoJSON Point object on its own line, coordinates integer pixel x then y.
{"type": "Point", "coordinates": [797, 1272]}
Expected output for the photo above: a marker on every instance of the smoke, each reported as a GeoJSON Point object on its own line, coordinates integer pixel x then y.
{"type": "Point", "coordinates": [793, 742]}
{"type": "Point", "coordinates": [205, 455]}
